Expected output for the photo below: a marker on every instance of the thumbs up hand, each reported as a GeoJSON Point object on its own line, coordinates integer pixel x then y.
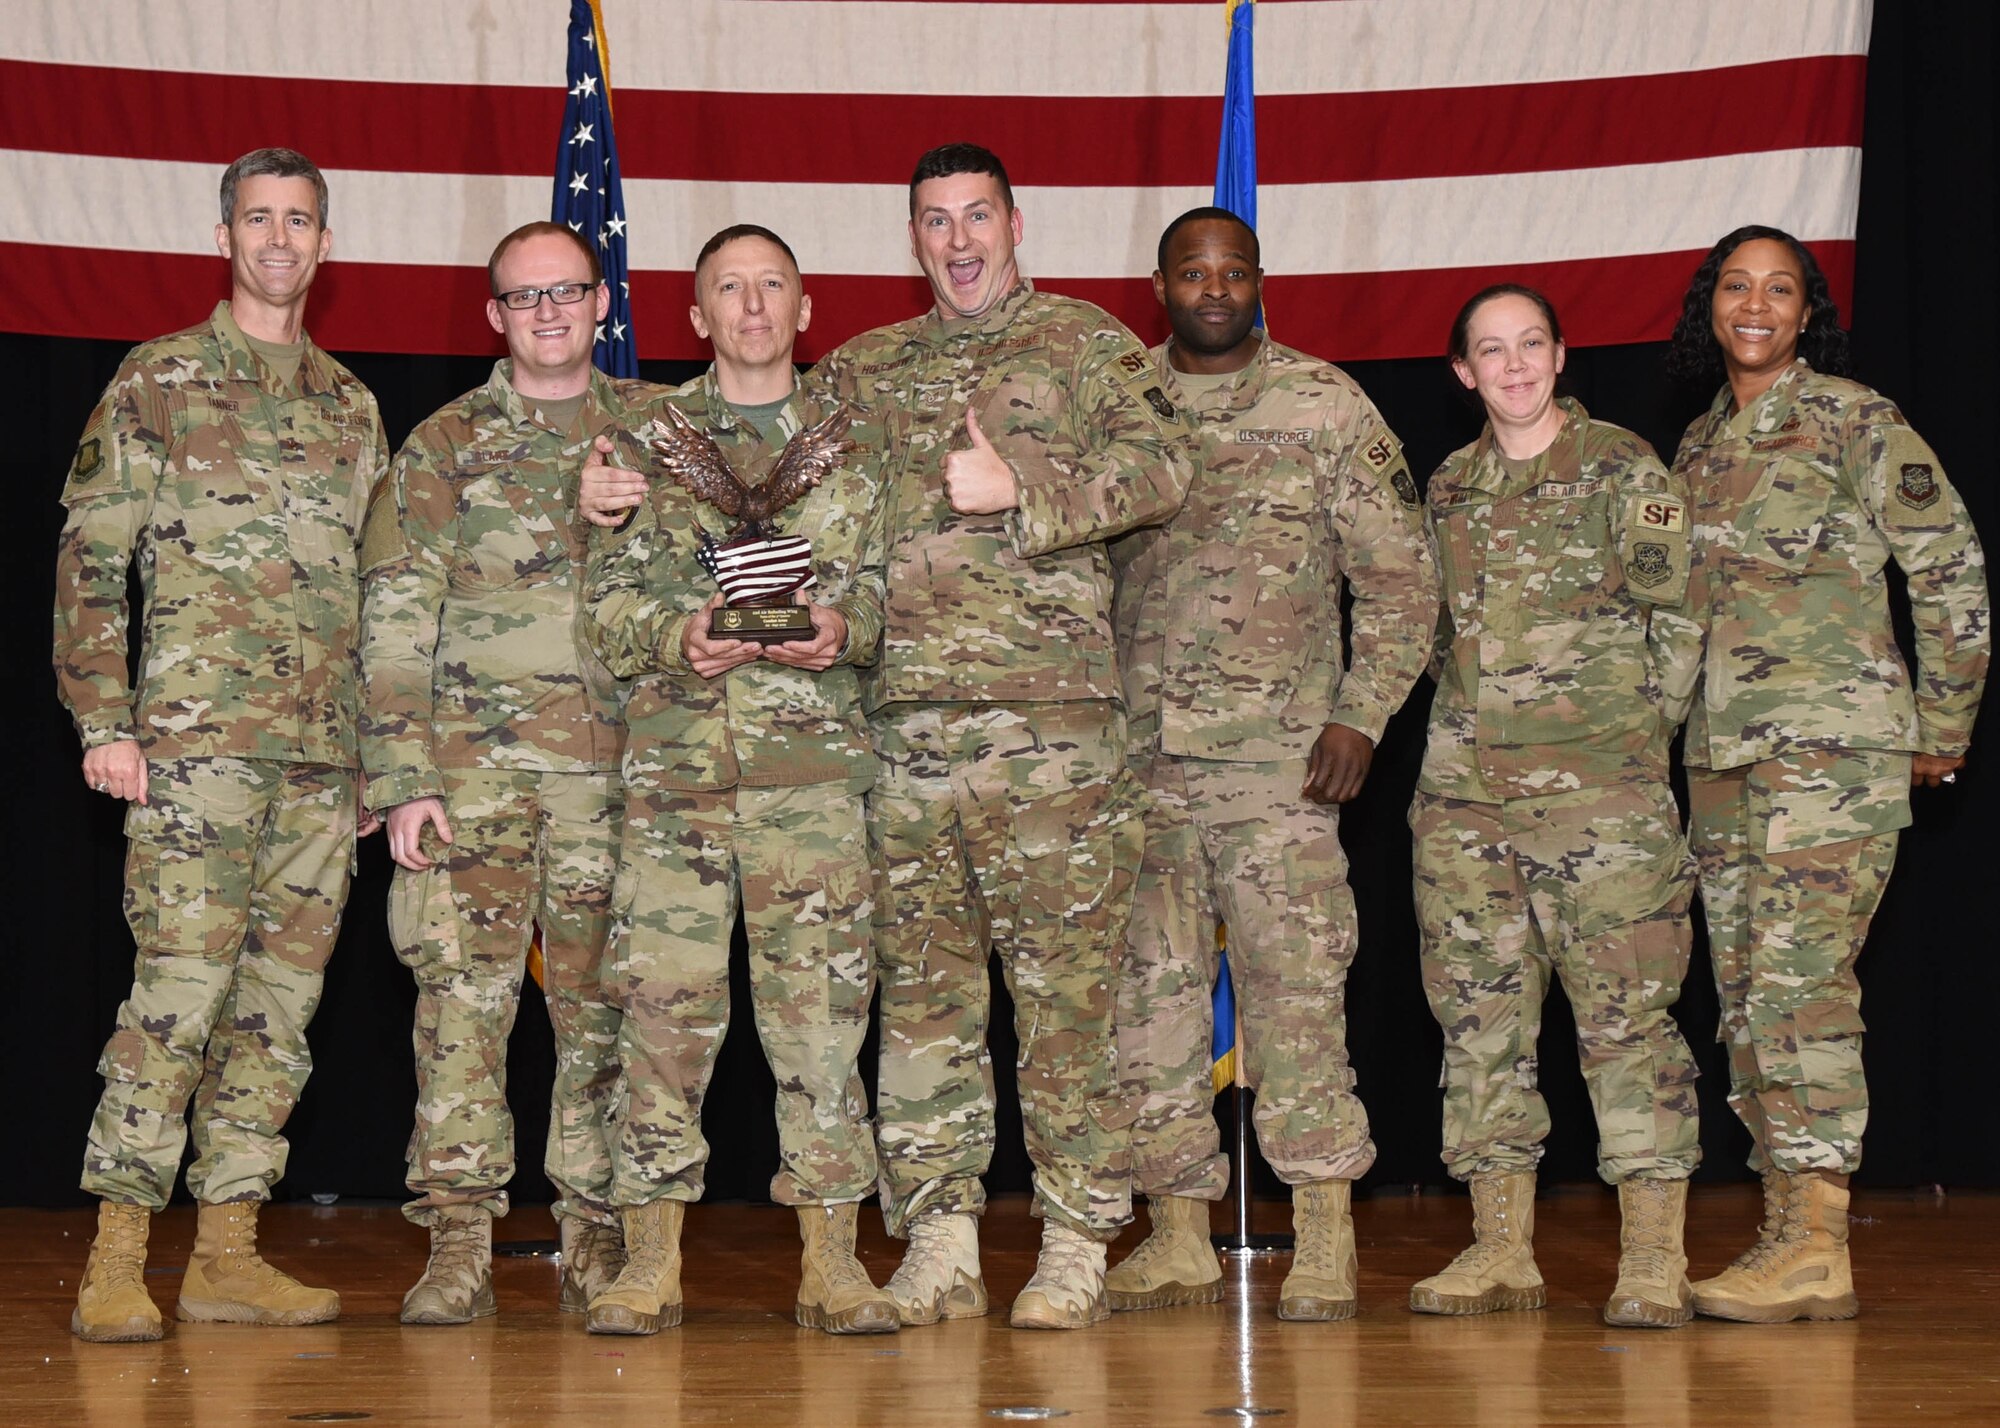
{"type": "Point", "coordinates": [977, 481]}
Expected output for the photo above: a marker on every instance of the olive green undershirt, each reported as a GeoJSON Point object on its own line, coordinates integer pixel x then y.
{"type": "Point", "coordinates": [762, 416]}
{"type": "Point", "coordinates": [281, 359]}
{"type": "Point", "coordinates": [560, 412]}
{"type": "Point", "coordinates": [1197, 385]}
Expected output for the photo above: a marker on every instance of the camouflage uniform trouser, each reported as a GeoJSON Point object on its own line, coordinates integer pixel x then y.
{"type": "Point", "coordinates": [527, 849]}
{"type": "Point", "coordinates": [796, 860]}
{"type": "Point", "coordinates": [1594, 884]}
{"type": "Point", "coordinates": [1008, 827]}
{"type": "Point", "coordinates": [1236, 841]}
{"type": "Point", "coordinates": [235, 878]}
{"type": "Point", "coordinates": [1795, 854]}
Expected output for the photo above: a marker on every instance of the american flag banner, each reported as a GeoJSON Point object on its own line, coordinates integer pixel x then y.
{"type": "Point", "coordinates": [589, 197]}
{"type": "Point", "coordinates": [1409, 151]}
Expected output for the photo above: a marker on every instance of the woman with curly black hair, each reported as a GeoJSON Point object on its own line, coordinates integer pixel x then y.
{"type": "Point", "coordinates": [1808, 729]}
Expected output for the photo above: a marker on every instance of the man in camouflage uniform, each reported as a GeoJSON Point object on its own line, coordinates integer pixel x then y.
{"type": "Point", "coordinates": [1547, 837]}
{"type": "Point", "coordinates": [1018, 432]}
{"type": "Point", "coordinates": [491, 740]}
{"type": "Point", "coordinates": [233, 461]}
{"type": "Point", "coordinates": [1248, 733]}
{"type": "Point", "coordinates": [744, 778]}
{"type": "Point", "coordinates": [1801, 751]}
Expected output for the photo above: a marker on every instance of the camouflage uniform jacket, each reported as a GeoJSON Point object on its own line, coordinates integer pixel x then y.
{"type": "Point", "coordinates": [1800, 500]}
{"type": "Point", "coordinates": [472, 620]}
{"type": "Point", "coordinates": [242, 501]}
{"type": "Point", "coordinates": [762, 723]}
{"type": "Point", "coordinates": [1565, 658]}
{"type": "Point", "coordinates": [1228, 616]}
{"type": "Point", "coordinates": [1014, 607]}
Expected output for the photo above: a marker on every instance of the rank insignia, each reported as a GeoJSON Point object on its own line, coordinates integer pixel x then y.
{"type": "Point", "coordinates": [1650, 565]}
{"type": "Point", "coordinates": [1918, 488]}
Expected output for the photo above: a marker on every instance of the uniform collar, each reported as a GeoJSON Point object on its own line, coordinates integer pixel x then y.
{"type": "Point", "coordinates": [714, 414]}
{"type": "Point", "coordinates": [1561, 463]}
{"type": "Point", "coordinates": [1768, 410]}
{"type": "Point", "coordinates": [506, 399]}
{"type": "Point", "coordinates": [933, 331]}
{"type": "Point", "coordinates": [317, 375]}
{"type": "Point", "coordinates": [1244, 389]}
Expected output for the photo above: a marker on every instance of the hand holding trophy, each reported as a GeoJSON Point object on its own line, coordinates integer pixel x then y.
{"type": "Point", "coordinates": [758, 570]}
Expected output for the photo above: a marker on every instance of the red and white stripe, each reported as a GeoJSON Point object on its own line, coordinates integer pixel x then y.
{"type": "Point", "coordinates": [759, 568]}
{"type": "Point", "coordinates": [1409, 150]}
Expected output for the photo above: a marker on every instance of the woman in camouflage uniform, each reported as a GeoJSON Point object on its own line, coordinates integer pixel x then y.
{"type": "Point", "coordinates": [1808, 730]}
{"type": "Point", "coordinates": [1547, 838]}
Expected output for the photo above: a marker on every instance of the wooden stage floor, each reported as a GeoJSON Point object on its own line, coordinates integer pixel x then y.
{"type": "Point", "coordinates": [1926, 1349]}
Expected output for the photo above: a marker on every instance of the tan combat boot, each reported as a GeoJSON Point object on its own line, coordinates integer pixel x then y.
{"type": "Point", "coordinates": [1173, 1265]}
{"type": "Point", "coordinates": [1067, 1288]}
{"type": "Point", "coordinates": [228, 1282]}
{"type": "Point", "coordinates": [456, 1286]}
{"type": "Point", "coordinates": [112, 1306]}
{"type": "Point", "coordinates": [593, 1256]}
{"type": "Point", "coordinates": [835, 1293]}
{"type": "Point", "coordinates": [1321, 1284]}
{"type": "Point", "coordinates": [647, 1295]}
{"type": "Point", "coordinates": [1800, 1273]}
{"type": "Point", "coordinates": [939, 1275]}
{"type": "Point", "coordinates": [1652, 1290]}
{"type": "Point", "coordinates": [1497, 1270]}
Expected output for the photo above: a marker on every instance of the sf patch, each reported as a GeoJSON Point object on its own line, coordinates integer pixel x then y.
{"type": "Point", "coordinates": [1663, 513]}
{"type": "Point", "coordinates": [1379, 453]}
{"type": "Point", "coordinates": [1651, 564]}
{"type": "Point", "coordinates": [1918, 489]}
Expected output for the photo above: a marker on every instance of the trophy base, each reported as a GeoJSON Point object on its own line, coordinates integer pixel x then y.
{"type": "Point", "coordinates": [761, 624]}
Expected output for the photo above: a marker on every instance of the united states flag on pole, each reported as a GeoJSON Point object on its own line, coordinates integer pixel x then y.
{"type": "Point", "coordinates": [1410, 150]}
{"type": "Point", "coordinates": [589, 197]}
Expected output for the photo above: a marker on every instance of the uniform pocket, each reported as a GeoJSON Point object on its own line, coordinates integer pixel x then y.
{"type": "Point", "coordinates": [168, 890]}
{"type": "Point", "coordinates": [1869, 794]}
{"type": "Point", "coordinates": [1626, 891]}
{"type": "Point", "coordinates": [423, 919]}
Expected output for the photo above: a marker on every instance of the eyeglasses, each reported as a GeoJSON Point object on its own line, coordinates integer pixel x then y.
{"type": "Point", "coordinates": [562, 294]}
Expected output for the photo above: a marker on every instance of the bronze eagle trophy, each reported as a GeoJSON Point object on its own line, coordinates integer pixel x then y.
{"type": "Point", "coordinates": [759, 571]}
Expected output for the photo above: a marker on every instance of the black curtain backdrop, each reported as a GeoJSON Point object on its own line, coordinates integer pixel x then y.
{"type": "Point", "coordinates": [1923, 323]}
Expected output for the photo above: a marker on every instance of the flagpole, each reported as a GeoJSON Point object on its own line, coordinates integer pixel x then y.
{"type": "Point", "coordinates": [1236, 190]}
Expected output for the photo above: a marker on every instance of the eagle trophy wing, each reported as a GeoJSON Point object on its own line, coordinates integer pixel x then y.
{"type": "Point", "coordinates": [803, 464]}
{"type": "Point", "coordinates": [698, 465]}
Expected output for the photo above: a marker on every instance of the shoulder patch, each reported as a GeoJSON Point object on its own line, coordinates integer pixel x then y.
{"type": "Point", "coordinates": [1651, 564]}
{"type": "Point", "coordinates": [90, 460]}
{"type": "Point", "coordinates": [1378, 453]}
{"type": "Point", "coordinates": [382, 538]}
{"type": "Point", "coordinates": [1663, 513]}
{"type": "Point", "coordinates": [1918, 489]}
{"type": "Point", "coordinates": [1406, 486]}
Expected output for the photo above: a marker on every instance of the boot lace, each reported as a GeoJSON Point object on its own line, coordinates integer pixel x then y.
{"type": "Point", "coordinates": [1067, 1262]}
{"type": "Point", "coordinates": [1645, 1247]}
{"type": "Point", "coordinates": [838, 1267]}
{"type": "Point", "coordinates": [455, 1251]}
{"type": "Point", "coordinates": [239, 1246]}
{"type": "Point", "coordinates": [931, 1258]}
{"type": "Point", "coordinates": [1315, 1249]}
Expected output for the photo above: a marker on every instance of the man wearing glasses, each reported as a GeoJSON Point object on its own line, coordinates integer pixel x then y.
{"type": "Point", "coordinates": [492, 737]}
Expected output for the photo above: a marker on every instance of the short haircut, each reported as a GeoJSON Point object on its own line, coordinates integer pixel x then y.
{"type": "Point", "coordinates": [536, 230]}
{"type": "Point", "coordinates": [1459, 346]}
{"type": "Point", "coordinates": [271, 163]}
{"type": "Point", "coordinates": [1209, 214]}
{"type": "Point", "coordinates": [948, 159]}
{"type": "Point", "coordinates": [742, 230]}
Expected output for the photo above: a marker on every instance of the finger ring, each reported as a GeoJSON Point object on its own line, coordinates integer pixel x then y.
{"type": "Point", "coordinates": [1950, 778]}
{"type": "Point", "coordinates": [103, 786]}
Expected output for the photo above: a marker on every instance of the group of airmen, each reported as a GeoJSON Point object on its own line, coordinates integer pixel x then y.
{"type": "Point", "coordinates": [1079, 688]}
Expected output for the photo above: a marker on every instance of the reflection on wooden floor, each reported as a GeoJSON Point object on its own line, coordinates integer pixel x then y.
{"type": "Point", "coordinates": [1926, 1349]}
